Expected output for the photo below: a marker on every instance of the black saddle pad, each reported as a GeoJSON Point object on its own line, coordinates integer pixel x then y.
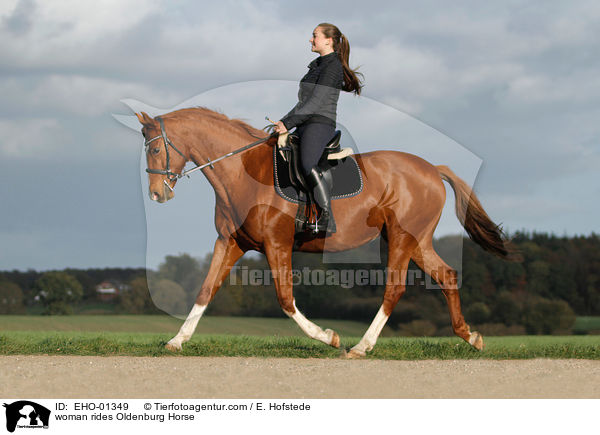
{"type": "Point", "coordinates": [347, 179]}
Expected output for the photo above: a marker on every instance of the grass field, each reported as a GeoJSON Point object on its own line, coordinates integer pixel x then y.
{"type": "Point", "coordinates": [222, 336]}
{"type": "Point", "coordinates": [162, 323]}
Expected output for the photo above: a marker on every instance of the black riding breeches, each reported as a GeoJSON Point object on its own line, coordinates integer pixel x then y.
{"type": "Point", "coordinates": [313, 138]}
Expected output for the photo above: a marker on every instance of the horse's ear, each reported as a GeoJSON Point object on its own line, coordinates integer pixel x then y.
{"type": "Point", "coordinates": [144, 118]}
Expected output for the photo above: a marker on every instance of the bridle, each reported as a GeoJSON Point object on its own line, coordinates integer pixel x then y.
{"type": "Point", "coordinates": [172, 176]}
{"type": "Point", "coordinates": [167, 142]}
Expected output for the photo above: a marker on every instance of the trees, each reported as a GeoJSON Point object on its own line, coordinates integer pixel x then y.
{"type": "Point", "coordinates": [478, 313]}
{"type": "Point", "coordinates": [506, 310]}
{"type": "Point", "coordinates": [170, 297]}
{"type": "Point", "coordinates": [185, 271]}
{"type": "Point", "coordinates": [137, 299]}
{"type": "Point", "coordinates": [11, 298]}
{"type": "Point", "coordinates": [58, 291]}
{"type": "Point", "coordinates": [543, 316]}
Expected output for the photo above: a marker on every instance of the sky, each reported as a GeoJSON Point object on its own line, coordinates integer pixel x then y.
{"type": "Point", "coordinates": [505, 93]}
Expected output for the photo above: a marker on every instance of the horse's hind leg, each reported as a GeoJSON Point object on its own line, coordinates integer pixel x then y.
{"type": "Point", "coordinates": [400, 249]}
{"type": "Point", "coordinates": [428, 260]}
{"type": "Point", "coordinates": [280, 261]}
{"type": "Point", "coordinates": [225, 254]}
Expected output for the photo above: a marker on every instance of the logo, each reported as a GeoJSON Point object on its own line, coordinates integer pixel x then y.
{"type": "Point", "coordinates": [26, 414]}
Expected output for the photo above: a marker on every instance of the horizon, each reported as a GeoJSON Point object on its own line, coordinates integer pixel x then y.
{"type": "Point", "coordinates": [527, 233]}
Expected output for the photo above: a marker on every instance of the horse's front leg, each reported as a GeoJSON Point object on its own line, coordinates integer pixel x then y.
{"type": "Point", "coordinates": [280, 261]}
{"type": "Point", "coordinates": [225, 254]}
{"type": "Point", "coordinates": [400, 245]}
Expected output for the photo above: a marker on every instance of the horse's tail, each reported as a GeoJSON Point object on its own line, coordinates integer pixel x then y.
{"type": "Point", "coordinates": [473, 217]}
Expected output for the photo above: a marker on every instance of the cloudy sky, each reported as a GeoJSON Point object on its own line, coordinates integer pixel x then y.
{"type": "Point", "coordinates": [512, 87]}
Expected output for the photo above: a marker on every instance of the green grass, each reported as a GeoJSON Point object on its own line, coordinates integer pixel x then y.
{"type": "Point", "coordinates": [257, 337]}
{"type": "Point", "coordinates": [148, 344]}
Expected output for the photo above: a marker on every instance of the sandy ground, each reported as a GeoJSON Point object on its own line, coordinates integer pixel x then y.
{"type": "Point", "coordinates": [196, 377]}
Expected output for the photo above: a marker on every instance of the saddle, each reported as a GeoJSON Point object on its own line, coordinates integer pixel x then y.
{"type": "Point", "coordinates": [336, 164]}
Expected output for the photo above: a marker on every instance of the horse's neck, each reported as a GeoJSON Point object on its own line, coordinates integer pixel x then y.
{"type": "Point", "coordinates": [218, 175]}
{"type": "Point", "coordinates": [225, 176]}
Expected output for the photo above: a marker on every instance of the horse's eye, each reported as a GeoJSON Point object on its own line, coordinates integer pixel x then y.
{"type": "Point", "coordinates": [155, 150]}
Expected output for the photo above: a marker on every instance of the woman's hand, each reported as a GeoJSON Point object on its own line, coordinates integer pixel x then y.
{"type": "Point", "coordinates": [280, 128]}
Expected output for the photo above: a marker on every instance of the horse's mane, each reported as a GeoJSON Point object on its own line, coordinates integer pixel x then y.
{"type": "Point", "coordinates": [196, 113]}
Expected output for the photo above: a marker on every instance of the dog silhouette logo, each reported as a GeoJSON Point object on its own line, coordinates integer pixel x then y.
{"type": "Point", "coordinates": [26, 414]}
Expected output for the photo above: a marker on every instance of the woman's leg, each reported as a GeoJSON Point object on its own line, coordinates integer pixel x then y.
{"type": "Point", "coordinates": [313, 139]}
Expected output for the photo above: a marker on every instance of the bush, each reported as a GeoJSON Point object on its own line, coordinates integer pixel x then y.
{"type": "Point", "coordinates": [499, 329]}
{"type": "Point", "coordinates": [433, 308]}
{"type": "Point", "coordinates": [404, 312]}
{"type": "Point", "coordinates": [361, 309]}
{"type": "Point", "coordinates": [418, 328]}
{"type": "Point", "coordinates": [506, 309]}
{"type": "Point", "coordinates": [137, 299]}
{"type": "Point", "coordinates": [11, 298]}
{"type": "Point", "coordinates": [227, 302]}
{"type": "Point", "coordinates": [478, 312]}
{"type": "Point", "coordinates": [544, 316]}
{"type": "Point", "coordinates": [58, 291]}
{"type": "Point", "coordinates": [169, 297]}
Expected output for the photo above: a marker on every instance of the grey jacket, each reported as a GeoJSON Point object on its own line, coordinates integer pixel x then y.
{"type": "Point", "coordinates": [319, 93]}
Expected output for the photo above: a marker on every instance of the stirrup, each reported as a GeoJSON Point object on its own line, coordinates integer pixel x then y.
{"type": "Point", "coordinates": [322, 225]}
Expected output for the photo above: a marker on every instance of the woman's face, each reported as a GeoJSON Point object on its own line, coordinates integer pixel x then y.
{"type": "Point", "coordinates": [319, 43]}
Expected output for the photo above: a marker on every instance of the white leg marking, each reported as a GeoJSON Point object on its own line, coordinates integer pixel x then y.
{"type": "Point", "coordinates": [472, 339]}
{"type": "Point", "coordinates": [188, 327]}
{"type": "Point", "coordinates": [370, 337]}
{"type": "Point", "coordinates": [309, 328]}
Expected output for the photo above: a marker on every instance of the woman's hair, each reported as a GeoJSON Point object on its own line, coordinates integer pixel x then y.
{"type": "Point", "coordinates": [342, 47]}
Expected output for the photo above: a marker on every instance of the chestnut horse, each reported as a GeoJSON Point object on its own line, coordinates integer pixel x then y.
{"type": "Point", "coordinates": [402, 200]}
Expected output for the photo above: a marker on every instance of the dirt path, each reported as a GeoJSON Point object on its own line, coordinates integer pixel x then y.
{"type": "Point", "coordinates": [195, 377]}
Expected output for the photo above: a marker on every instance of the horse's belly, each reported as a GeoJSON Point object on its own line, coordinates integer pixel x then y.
{"type": "Point", "coordinates": [343, 240]}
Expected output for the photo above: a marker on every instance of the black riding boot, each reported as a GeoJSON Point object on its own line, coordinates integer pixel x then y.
{"type": "Point", "coordinates": [321, 192]}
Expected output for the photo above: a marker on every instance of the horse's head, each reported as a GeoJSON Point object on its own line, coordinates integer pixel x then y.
{"type": "Point", "coordinates": [164, 160]}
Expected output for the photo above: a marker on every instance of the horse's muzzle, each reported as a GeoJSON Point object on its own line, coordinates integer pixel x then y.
{"type": "Point", "coordinates": [162, 194]}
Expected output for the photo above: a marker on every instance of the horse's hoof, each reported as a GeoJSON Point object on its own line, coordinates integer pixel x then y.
{"type": "Point", "coordinates": [476, 340]}
{"type": "Point", "coordinates": [335, 339]}
{"type": "Point", "coordinates": [355, 354]}
{"type": "Point", "coordinates": [173, 347]}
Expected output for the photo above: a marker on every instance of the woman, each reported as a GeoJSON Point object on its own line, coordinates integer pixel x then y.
{"type": "Point", "coordinates": [315, 114]}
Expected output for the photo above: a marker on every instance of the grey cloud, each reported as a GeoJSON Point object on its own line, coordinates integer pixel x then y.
{"type": "Point", "coordinates": [20, 21]}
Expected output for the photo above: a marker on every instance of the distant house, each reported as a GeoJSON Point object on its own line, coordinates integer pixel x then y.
{"type": "Point", "coordinates": [107, 291]}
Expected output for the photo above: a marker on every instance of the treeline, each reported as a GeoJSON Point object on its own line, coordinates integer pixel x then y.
{"type": "Point", "coordinates": [557, 280]}
{"type": "Point", "coordinates": [23, 292]}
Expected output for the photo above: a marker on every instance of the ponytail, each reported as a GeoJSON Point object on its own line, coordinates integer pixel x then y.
{"type": "Point", "coordinates": [352, 82]}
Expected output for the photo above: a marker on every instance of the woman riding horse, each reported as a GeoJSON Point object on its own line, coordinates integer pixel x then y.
{"type": "Point", "coordinates": [314, 116]}
{"type": "Point", "coordinates": [401, 201]}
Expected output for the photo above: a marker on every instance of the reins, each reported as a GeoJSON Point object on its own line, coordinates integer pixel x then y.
{"type": "Point", "coordinates": [167, 142]}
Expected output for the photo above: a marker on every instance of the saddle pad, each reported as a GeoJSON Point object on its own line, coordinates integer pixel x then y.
{"type": "Point", "coordinates": [347, 179]}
